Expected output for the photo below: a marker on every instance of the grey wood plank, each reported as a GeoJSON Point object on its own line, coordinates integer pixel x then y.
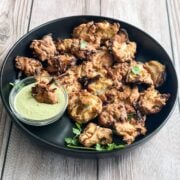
{"type": "Point", "coordinates": [174, 13]}
{"type": "Point", "coordinates": [26, 160]}
{"type": "Point", "coordinates": [159, 158]}
{"type": "Point", "coordinates": [14, 17]}
{"type": "Point", "coordinates": [44, 11]}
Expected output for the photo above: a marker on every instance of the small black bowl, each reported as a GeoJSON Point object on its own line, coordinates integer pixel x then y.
{"type": "Point", "coordinates": [53, 135]}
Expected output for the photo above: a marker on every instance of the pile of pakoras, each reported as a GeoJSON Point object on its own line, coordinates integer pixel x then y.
{"type": "Point", "coordinates": [98, 69]}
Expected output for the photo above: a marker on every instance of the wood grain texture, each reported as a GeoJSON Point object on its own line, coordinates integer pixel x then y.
{"type": "Point", "coordinates": [174, 14]}
{"type": "Point", "coordinates": [44, 11]}
{"type": "Point", "coordinates": [26, 160]}
{"type": "Point", "coordinates": [159, 158]}
{"type": "Point", "coordinates": [14, 16]}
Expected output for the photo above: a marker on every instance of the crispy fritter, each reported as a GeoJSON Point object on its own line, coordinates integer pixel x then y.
{"type": "Point", "coordinates": [122, 49]}
{"type": "Point", "coordinates": [119, 71]}
{"type": "Point", "coordinates": [87, 69]}
{"type": "Point", "coordinates": [138, 74]}
{"type": "Point", "coordinates": [44, 93]}
{"type": "Point", "coordinates": [64, 45]}
{"type": "Point", "coordinates": [151, 101]}
{"type": "Point", "coordinates": [157, 72]}
{"type": "Point", "coordinates": [87, 33]}
{"type": "Point", "coordinates": [100, 86]}
{"type": "Point", "coordinates": [69, 81]}
{"type": "Point", "coordinates": [78, 47]}
{"type": "Point", "coordinates": [28, 66]}
{"type": "Point", "coordinates": [112, 113]}
{"type": "Point", "coordinates": [83, 106]}
{"type": "Point", "coordinates": [94, 134]}
{"type": "Point", "coordinates": [44, 48]}
{"type": "Point", "coordinates": [96, 33]}
{"type": "Point", "coordinates": [129, 130]}
{"type": "Point", "coordinates": [82, 49]}
{"type": "Point", "coordinates": [101, 59]}
{"type": "Point", "coordinates": [106, 30]}
{"type": "Point", "coordinates": [59, 64]}
{"type": "Point", "coordinates": [43, 76]}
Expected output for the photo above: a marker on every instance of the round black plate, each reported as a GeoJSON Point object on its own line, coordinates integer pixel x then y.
{"type": "Point", "coordinates": [53, 135]}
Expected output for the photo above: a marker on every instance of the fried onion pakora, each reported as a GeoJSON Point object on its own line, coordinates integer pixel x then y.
{"type": "Point", "coordinates": [151, 101]}
{"type": "Point", "coordinates": [106, 30]}
{"type": "Point", "coordinates": [64, 45]}
{"type": "Point", "coordinates": [69, 81]}
{"type": "Point", "coordinates": [100, 86]}
{"type": "Point", "coordinates": [138, 74]}
{"type": "Point", "coordinates": [112, 113]}
{"type": "Point", "coordinates": [84, 106]}
{"type": "Point", "coordinates": [44, 48]}
{"type": "Point", "coordinates": [43, 76]}
{"type": "Point", "coordinates": [129, 130]}
{"type": "Point", "coordinates": [59, 64]}
{"type": "Point", "coordinates": [94, 134]}
{"type": "Point", "coordinates": [157, 72]}
{"type": "Point", "coordinates": [101, 59]}
{"type": "Point", "coordinates": [122, 49]}
{"type": "Point", "coordinates": [44, 93]}
{"type": "Point", "coordinates": [87, 33]}
{"type": "Point", "coordinates": [28, 66]}
{"type": "Point", "coordinates": [96, 33]}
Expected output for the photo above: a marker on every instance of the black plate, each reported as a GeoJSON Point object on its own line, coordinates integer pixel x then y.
{"type": "Point", "coordinates": [53, 135]}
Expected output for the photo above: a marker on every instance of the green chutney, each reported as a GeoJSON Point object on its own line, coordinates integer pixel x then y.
{"type": "Point", "coordinates": [28, 107]}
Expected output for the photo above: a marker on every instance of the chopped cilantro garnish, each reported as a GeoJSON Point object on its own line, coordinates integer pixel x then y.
{"type": "Point", "coordinates": [83, 44]}
{"type": "Point", "coordinates": [136, 69]}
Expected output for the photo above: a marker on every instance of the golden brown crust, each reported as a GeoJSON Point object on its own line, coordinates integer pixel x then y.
{"type": "Point", "coordinates": [87, 33]}
{"type": "Point", "coordinates": [138, 74]}
{"type": "Point", "coordinates": [100, 86]}
{"type": "Point", "coordinates": [28, 66]}
{"type": "Point", "coordinates": [101, 59]}
{"type": "Point", "coordinates": [122, 49]}
{"type": "Point", "coordinates": [44, 48]}
{"type": "Point", "coordinates": [106, 30]}
{"type": "Point", "coordinates": [69, 81]}
{"type": "Point", "coordinates": [43, 76]}
{"type": "Point", "coordinates": [59, 64]}
{"type": "Point", "coordinates": [94, 134]}
{"type": "Point", "coordinates": [151, 101]}
{"type": "Point", "coordinates": [83, 106]}
{"type": "Point", "coordinates": [64, 45]}
{"type": "Point", "coordinates": [112, 113]}
{"type": "Point", "coordinates": [157, 72]}
{"type": "Point", "coordinates": [129, 130]}
{"type": "Point", "coordinates": [82, 49]}
{"type": "Point", "coordinates": [44, 93]}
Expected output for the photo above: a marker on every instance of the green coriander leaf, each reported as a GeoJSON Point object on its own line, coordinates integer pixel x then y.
{"type": "Point", "coordinates": [111, 146]}
{"type": "Point", "coordinates": [83, 44]}
{"type": "Point", "coordinates": [119, 146]}
{"type": "Point", "coordinates": [74, 141]}
{"type": "Point", "coordinates": [136, 70]}
{"type": "Point", "coordinates": [68, 140]}
{"type": "Point", "coordinates": [99, 147]}
{"type": "Point", "coordinates": [78, 126]}
{"type": "Point", "coordinates": [76, 131]}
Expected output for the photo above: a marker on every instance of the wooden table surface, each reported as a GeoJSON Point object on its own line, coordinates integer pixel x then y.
{"type": "Point", "coordinates": [159, 158]}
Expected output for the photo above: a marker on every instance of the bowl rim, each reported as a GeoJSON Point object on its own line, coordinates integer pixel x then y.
{"type": "Point", "coordinates": [79, 151]}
